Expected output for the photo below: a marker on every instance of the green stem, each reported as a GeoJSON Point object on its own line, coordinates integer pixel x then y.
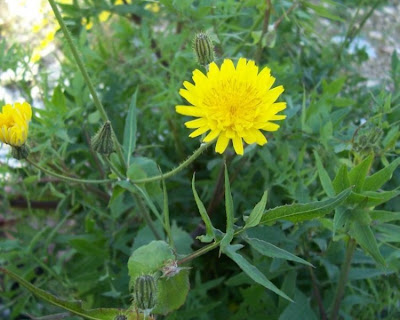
{"type": "Point", "coordinates": [182, 166]}
{"type": "Point", "coordinates": [351, 247]}
{"type": "Point", "coordinates": [205, 249]}
{"type": "Point", "coordinates": [85, 75]}
{"type": "Point", "coordinates": [69, 179]}
{"type": "Point", "coordinates": [113, 168]}
{"type": "Point", "coordinates": [146, 216]}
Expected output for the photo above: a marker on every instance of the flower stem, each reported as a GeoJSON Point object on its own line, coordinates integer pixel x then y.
{"type": "Point", "coordinates": [182, 166]}
{"type": "Point", "coordinates": [69, 179]}
{"type": "Point", "coordinates": [351, 247]}
{"type": "Point", "coordinates": [85, 75]}
{"type": "Point", "coordinates": [205, 249]}
{"type": "Point", "coordinates": [146, 216]}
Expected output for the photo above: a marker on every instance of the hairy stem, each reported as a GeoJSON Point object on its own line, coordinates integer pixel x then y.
{"type": "Point", "coordinates": [66, 178]}
{"type": "Point", "coordinates": [179, 168]}
{"type": "Point", "coordinates": [344, 272]}
{"type": "Point", "coordinates": [85, 75]}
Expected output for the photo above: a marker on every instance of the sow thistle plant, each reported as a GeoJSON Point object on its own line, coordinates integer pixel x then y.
{"type": "Point", "coordinates": [230, 103]}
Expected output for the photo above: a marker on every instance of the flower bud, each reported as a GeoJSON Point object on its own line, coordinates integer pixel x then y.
{"type": "Point", "coordinates": [21, 152]}
{"type": "Point", "coordinates": [102, 141]}
{"type": "Point", "coordinates": [145, 293]}
{"type": "Point", "coordinates": [204, 49]}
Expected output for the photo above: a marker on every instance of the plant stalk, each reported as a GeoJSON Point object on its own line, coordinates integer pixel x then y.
{"type": "Point", "coordinates": [69, 179]}
{"type": "Point", "coordinates": [351, 247]}
{"type": "Point", "coordinates": [85, 75]}
{"type": "Point", "coordinates": [174, 171]}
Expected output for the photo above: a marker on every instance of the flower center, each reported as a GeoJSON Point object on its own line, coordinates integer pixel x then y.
{"type": "Point", "coordinates": [232, 105]}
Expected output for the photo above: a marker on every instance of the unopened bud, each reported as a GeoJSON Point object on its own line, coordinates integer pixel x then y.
{"type": "Point", "coordinates": [21, 152]}
{"type": "Point", "coordinates": [203, 48]}
{"type": "Point", "coordinates": [145, 294]}
{"type": "Point", "coordinates": [102, 141]}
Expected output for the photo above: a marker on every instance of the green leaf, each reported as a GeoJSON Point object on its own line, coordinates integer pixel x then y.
{"type": "Point", "coordinates": [251, 270]}
{"type": "Point", "coordinates": [384, 216]}
{"type": "Point", "coordinates": [269, 250]}
{"type": "Point", "coordinates": [364, 236]}
{"type": "Point", "coordinates": [378, 179]}
{"type": "Point", "coordinates": [58, 100]}
{"type": "Point", "coordinates": [150, 259]}
{"type": "Point", "coordinates": [368, 199]}
{"type": "Point", "coordinates": [302, 212]}
{"type": "Point", "coordinates": [341, 181]}
{"type": "Point", "coordinates": [324, 177]}
{"type": "Point", "coordinates": [324, 12]}
{"type": "Point", "coordinates": [209, 236]}
{"type": "Point", "coordinates": [71, 306]}
{"type": "Point", "coordinates": [226, 240]}
{"type": "Point", "coordinates": [256, 214]}
{"type": "Point", "coordinates": [388, 232]}
{"type": "Point", "coordinates": [129, 143]}
{"type": "Point", "coordinates": [300, 309]}
{"type": "Point", "coordinates": [358, 174]}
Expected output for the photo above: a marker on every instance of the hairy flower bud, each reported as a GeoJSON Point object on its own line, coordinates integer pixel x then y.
{"type": "Point", "coordinates": [102, 141]}
{"type": "Point", "coordinates": [145, 293]}
{"type": "Point", "coordinates": [204, 49]}
{"type": "Point", "coordinates": [21, 152]}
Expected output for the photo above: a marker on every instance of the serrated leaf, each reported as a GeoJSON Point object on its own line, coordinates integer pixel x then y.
{"type": "Point", "coordinates": [71, 306]}
{"type": "Point", "coordinates": [269, 250]}
{"type": "Point", "coordinates": [129, 142]}
{"type": "Point", "coordinates": [358, 174]}
{"type": "Point", "coordinates": [364, 236]}
{"type": "Point", "coordinates": [341, 181]}
{"type": "Point", "coordinates": [256, 214]}
{"type": "Point", "coordinates": [226, 240]}
{"type": "Point", "coordinates": [209, 236]}
{"type": "Point", "coordinates": [324, 177]}
{"type": "Point", "coordinates": [378, 179]}
{"type": "Point", "coordinates": [301, 212]}
{"type": "Point", "coordinates": [251, 270]}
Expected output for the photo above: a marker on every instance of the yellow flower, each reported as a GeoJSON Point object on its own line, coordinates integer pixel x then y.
{"type": "Point", "coordinates": [104, 15]}
{"type": "Point", "coordinates": [233, 104]}
{"type": "Point", "coordinates": [14, 123]}
{"type": "Point", "coordinates": [153, 7]}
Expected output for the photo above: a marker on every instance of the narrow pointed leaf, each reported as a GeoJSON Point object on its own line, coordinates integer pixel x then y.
{"type": "Point", "coordinates": [209, 236]}
{"type": "Point", "coordinates": [129, 143]}
{"type": "Point", "coordinates": [269, 250]}
{"type": "Point", "coordinates": [358, 174]}
{"type": "Point", "coordinates": [364, 236]}
{"type": "Point", "coordinates": [302, 212]}
{"type": "Point", "coordinates": [71, 306]}
{"type": "Point", "coordinates": [251, 270]}
{"type": "Point", "coordinates": [324, 177]}
{"type": "Point", "coordinates": [256, 214]}
{"type": "Point", "coordinates": [226, 240]}
{"type": "Point", "coordinates": [378, 179]}
{"type": "Point", "coordinates": [341, 181]}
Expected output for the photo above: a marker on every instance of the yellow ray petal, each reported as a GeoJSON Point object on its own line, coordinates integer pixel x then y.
{"type": "Point", "coordinates": [199, 131]}
{"type": "Point", "coordinates": [222, 143]}
{"type": "Point", "coordinates": [238, 145]}
{"type": "Point", "coordinates": [190, 111]}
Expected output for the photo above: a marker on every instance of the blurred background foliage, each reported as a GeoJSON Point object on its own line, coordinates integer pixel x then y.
{"type": "Point", "coordinates": [75, 240]}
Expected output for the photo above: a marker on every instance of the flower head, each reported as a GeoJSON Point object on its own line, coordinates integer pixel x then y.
{"type": "Point", "coordinates": [232, 103]}
{"type": "Point", "coordinates": [14, 123]}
